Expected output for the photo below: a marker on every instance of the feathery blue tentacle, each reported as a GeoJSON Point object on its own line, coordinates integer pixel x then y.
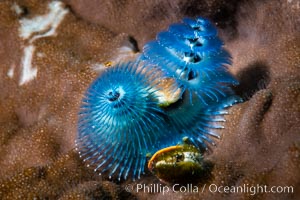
{"type": "Point", "coordinates": [192, 53]}
{"type": "Point", "coordinates": [120, 112]}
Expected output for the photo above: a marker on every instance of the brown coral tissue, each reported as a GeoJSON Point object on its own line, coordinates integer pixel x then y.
{"type": "Point", "coordinates": [50, 51]}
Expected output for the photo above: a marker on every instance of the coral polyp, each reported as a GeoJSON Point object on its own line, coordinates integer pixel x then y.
{"type": "Point", "coordinates": [178, 87]}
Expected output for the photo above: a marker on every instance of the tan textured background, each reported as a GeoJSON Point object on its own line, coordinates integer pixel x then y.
{"type": "Point", "coordinates": [261, 142]}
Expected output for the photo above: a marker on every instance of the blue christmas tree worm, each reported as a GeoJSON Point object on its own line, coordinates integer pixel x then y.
{"type": "Point", "coordinates": [126, 112]}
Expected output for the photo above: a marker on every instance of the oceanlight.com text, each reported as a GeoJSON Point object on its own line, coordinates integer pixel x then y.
{"type": "Point", "coordinates": [213, 188]}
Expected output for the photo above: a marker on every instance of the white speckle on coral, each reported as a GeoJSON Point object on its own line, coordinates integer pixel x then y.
{"type": "Point", "coordinates": [125, 49]}
{"type": "Point", "coordinates": [45, 25]}
{"type": "Point", "coordinates": [11, 71]}
{"type": "Point", "coordinates": [40, 55]}
{"type": "Point", "coordinates": [124, 53]}
{"type": "Point", "coordinates": [28, 72]}
{"type": "Point", "coordinates": [98, 67]}
{"type": "Point", "coordinates": [35, 28]}
{"type": "Point", "coordinates": [15, 7]}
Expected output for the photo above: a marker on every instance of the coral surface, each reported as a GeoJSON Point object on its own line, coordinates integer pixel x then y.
{"type": "Point", "coordinates": [52, 50]}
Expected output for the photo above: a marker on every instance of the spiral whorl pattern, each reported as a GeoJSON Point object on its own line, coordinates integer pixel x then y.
{"type": "Point", "coordinates": [120, 121]}
{"type": "Point", "coordinates": [193, 54]}
{"type": "Point", "coordinates": [177, 88]}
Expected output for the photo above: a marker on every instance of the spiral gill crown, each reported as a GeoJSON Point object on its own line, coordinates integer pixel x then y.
{"type": "Point", "coordinates": [120, 121]}
{"type": "Point", "coordinates": [193, 54]}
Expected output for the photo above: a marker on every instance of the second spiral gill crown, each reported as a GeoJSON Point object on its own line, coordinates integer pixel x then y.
{"type": "Point", "coordinates": [193, 55]}
{"type": "Point", "coordinates": [177, 88]}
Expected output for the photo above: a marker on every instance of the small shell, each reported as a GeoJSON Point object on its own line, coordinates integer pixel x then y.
{"type": "Point", "coordinates": [178, 164]}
